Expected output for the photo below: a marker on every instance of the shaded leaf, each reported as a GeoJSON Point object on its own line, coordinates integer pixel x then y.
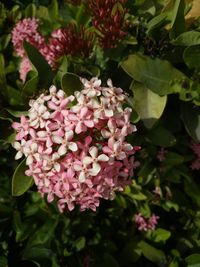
{"type": "Point", "coordinates": [70, 83]}
{"type": "Point", "coordinates": [20, 182]}
{"type": "Point", "coordinates": [191, 56]}
{"type": "Point", "coordinates": [193, 260]}
{"type": "Point", "coordinates": [173, 158]}
{"type": "Point", "coordinates": [161, 137]}
{"type": "Point", "coordinates": [152, 254]}
{"type": "Point", "coordinates": [3, 262]}
{"type": "Point", "coordinates": [188, 38]}
{"type": "Point", "coordinates": [44, 233]}
{"type": "Point", "coordinates": [190, 115]}
{"type": "Point", "coordinates": [45, 73]}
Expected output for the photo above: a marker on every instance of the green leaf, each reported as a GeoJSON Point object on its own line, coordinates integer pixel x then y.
{"type": "Point", "coordinates": [30, 11]}
{"type": "Point", "coordinates": [160, 235]}
{"type": "Point", "coordinates": [70, 83]}
{"type": "Point", "coordinates": [30, 86]}
{"type": "Point", "coordinates": [193, 260]}
{"type": "Point", "coordinates": [155, 74]}
{"type": "Point", "coordinates": [192, 190]}
{"type": "Point", "coordinates": [107, 260]}
{"type": "Point", "coordinates": [157, 22]}
{"type": "Point", "coordinates": [3, 83]}
{"type": "Point", "coordinates": [43, 68]}
{"type": "Point", "coordinates": [44, 233]}
{"type": "Point", "coordinates": [173, 158]}
{"type": "Point", "coordinates": [14, 97]}
{"type": "Point", "coordinates": [147, 104]}
{"type": "Point", "coordinates": [37, 253]}
{"type": "Point", "coordinates": [161, 137]}
{"type": "Point", "coordinates": [80, 243]}
{"type": "Point", "coordinates": [191, 56]}
{"type": "Point", "coordinates": [20, 182]}
{"type": "Point", "coordinates": [53, 9]}
{"type": "Point", "coordinates": [177, 18]}
{"type": "Point", "coordinates": [152, 254]}
{"type": "Point", "coordinates": [16, 113]}
{"type": "Point", "coordinates": [190, 115]}
{"type": "Point", "coordinates": [188, 38]}
{"type": "Point", "coordinates": [3, 262]}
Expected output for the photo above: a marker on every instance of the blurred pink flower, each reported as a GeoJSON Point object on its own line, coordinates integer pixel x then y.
{"type": "Point", "coordinates": [196, 150]}
{"type": "Point", "coordinates": [67, 41]}
{"type": "Point", "coordinates": [26, 30]}
{"type": "Point", "coordinates": [161, 154]}
{"type": "Point", "coordinates": [24, 68]}
{"type": "Point", "coordinates": [109, 20]}
{"type": "Point", "coordinates": [144, 224]}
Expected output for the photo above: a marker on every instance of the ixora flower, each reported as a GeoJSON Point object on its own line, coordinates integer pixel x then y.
{"type": "Point", "coordinates": [108, 17]}
{"type": "Point", "coordinates": [196, 150]}
{"type": "Point", "coordinates": [144, 224]}
{"type": "Point", "coordinates": [26, 30]}
{"type": "Point", "coordinates": [75, 146]}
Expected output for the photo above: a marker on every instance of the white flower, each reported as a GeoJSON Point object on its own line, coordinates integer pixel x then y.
{"type": "Point", "coordinates": [20, 148]}
{"type": "Point", "coordinates": [94, 159]}
{"type": "Point", "coordinates": [65, 142]}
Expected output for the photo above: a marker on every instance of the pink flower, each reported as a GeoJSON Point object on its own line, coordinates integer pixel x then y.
{"type": "Point", "coordinates": [77, 151]}
{"type": "Point", "coordinates": [196, 149]}
{"type": "Point", "coordinates": [152, 222]}
{"type": "Point", "coordinates": [65, 143]}
{"type": "Point", "coordinates": [146, 224]}
{"type": "Point", "coordinates": [26, 30]}
{"type": "Point", "coordinates": [109, 21]}
{"type": "Point", "coordinates": [94, 159]}
{"type": "Point", "coordinates": [22, 128]}
{"type": "Point", "coordinates": [24, 68]}
{"type": "Point", "coordinates": [161, 154]}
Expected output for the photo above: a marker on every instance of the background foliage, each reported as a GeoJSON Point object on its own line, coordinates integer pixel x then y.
{"type": "Point", "coordinates": [157, 63]}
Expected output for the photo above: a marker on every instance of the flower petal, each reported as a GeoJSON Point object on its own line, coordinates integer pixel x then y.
{"type": "Point", "coordinates": [73, 146]}
{"type": "Point", "coordinates": [93, 151]}
{"type": "Point", "coordinates": [87, 160]}
{"type": "Point", "coordinates": [103, 157]}
{"type": "Point", "coordinates": [82, 177]}
{"type": "Point", "coordinates": [96, 168]}
{"type": "Point", "coordinates": [57, 139]}
{"type": "Point", "coordinates": [18, 155]}
{"type": "Point", "coordinates": [62, 150]}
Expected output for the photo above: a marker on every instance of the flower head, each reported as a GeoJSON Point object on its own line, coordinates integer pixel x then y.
{"type": "Point", "coordinates": [78, 153]}
{"type": "Point", "coordinates": [26, 30]}
{"type": "Point", "coordinates": [108, 17]}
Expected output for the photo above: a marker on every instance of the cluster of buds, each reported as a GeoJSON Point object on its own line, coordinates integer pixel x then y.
{"type": "Point", "coordinates": [146, 224]}
{"type": "Point", "coordinates": [66, 41]}
{"type": "Point", "coordinates": [75, 146]}
{"type": "Point", "coordinates": [196, 149]}
{"type": "Point", "coordinates": [108, 17]}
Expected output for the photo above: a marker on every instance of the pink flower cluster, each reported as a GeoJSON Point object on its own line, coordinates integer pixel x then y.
{"type": "Point", "coordinates": [63, 41]}
{"type": "Point", "coordinates": [196, 149]}
{"type": "Point", "coordinates": [26, 30]}
{"type": "Point", "coordinates": [67, 41]}
{"type": "Point", "coordinates": [162, 154]}
{"type": "Point", "coordinates": [146, 224]}
{"type": "Point", "coordinates": [108, 17]}
{"type": "Point", "coordinates": [75, 146]}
